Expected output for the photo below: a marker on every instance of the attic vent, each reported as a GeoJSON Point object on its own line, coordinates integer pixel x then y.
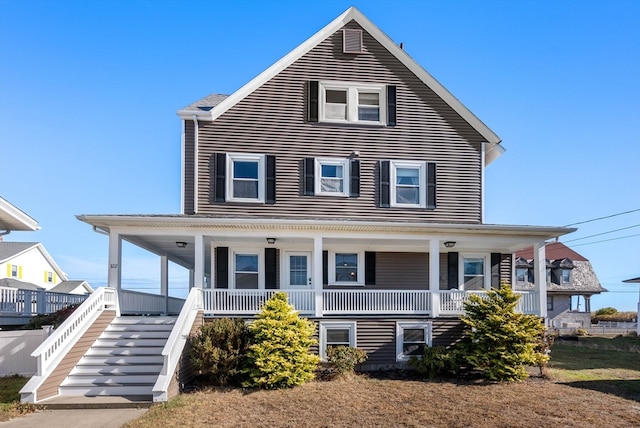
{"type": "Point", "coordinates": [352, 41]}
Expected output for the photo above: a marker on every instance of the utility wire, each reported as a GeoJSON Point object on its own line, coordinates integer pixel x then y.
{"type": "Point", "coordinates": [603, 233]}
{"type": "Point", "coordinates": [601, 218]}
{"type": "Point", "coordinates": [606, 240]}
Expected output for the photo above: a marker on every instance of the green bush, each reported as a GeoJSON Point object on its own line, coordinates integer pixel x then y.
{"type": "Point", "coordinates": [218, 350]}
{"type": "Point", "coordinates": [344, 359]}
{"type": "Point", "coordinates": [54, 318]}
{"type": "Point", "coordinates": [606, 311]}
{"type": "Point", "coordinates": [435, 361]}
{"type": "Point", "coordinates": [502, 342]}
{"type": "Point", "coordinates": [279, 356]}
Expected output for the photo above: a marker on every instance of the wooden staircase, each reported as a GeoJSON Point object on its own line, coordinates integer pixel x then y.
{"type": "Point", "coordinates": [124, 361]}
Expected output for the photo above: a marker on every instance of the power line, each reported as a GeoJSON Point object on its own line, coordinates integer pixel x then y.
{"type": "Point", "coordinates": [606, 240]}
{"type": "Point", "coordinates": [601, 218]}
{"type": "Point", "coordinates": [603, 233]}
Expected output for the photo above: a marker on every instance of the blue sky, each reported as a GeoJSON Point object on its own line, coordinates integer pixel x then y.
{"type": "Point", "coordinates": [89, 91]}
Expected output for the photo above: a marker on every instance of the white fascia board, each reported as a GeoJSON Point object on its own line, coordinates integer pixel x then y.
{"type": "Point", "coordinates": [351, 14]}
{"type": "Point", "coordinates": [24, 222]}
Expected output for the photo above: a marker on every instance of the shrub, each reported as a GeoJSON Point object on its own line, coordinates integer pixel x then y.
{"type": "Point", "coordinates": [435, 361]}
{"type": "Point", "coordinates": [218, 349]}
{"type": "Point", "coordinates": [344, 359]}
{"type": "Point", "coordinates": [606, 311]}
{"type": "Point", "coordinates": [501, 341]}
{"type": "Point", "coordinates": [279, 356]}
{"type": "Point", "coordinates": [54, 318]}
{"type": "Point", "coordinates": [617, 316]}
{"type": "Point", "coordinates": [580, 331]}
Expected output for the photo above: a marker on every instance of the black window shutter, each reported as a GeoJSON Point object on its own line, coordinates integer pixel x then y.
{"type": "Point", "coordinates": [271, 179]}
{"type": "Point", "coordinates": [391, 105]}
{"type": "Point", "coordinates": [309, 176]}
{"type": "Point", "coordinates": [270, 266]}
{"type": "Point", "coordinates": [221, 167]}
{"type": "Point", "coordinates": [222, 267]}
{"type": "Point", "coordinates": [452, 270]}
{"type": "Point", "coordinates": [495, 269]}
{"type": "Point", "coordinates": [325, 267]}
{"type": "Point", "coordinates": [354, 186]}
{"type": "Point", "coordinates": [385, 184]}
{"type": "Point", "coordinates": [431, 185]}
{"type": "Point", "coordinates": [369, 268]}
{"type": "Point", "coordinates": [312, 100]}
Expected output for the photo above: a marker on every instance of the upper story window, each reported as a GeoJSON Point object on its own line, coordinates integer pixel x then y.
{"type": "Point", "coordinates": [566, 276]}
{"type": "Point", "coordinates": [522, 275]}
{"type": "Point", "coordinates": [48, 277]}
{"type": "Point", "coordinates": [407, 184]}
{"type": "Point", "coordinates": [351, 103]}
{"type": "Point", "coordinates": [245, 177]}
{"type": "Point", "coordinates": [331, 177]}
{"type": "Point", "coordinates": [13, 271]}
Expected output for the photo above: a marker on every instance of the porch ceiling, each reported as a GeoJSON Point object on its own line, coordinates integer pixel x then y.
{"type": "Point", "coordinates": [159, 234]}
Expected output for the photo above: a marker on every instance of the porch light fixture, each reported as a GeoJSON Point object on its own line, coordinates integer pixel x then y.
{"type": "Point", "coordinates": [181, 244]}
{"type": "Point", "coordinates": [271, 240]}
{"type": "Point", "coordinates": [450, 244]}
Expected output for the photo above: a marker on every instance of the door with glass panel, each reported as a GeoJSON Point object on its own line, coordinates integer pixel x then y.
{"type": "Point", "coordinates": [298, 280]}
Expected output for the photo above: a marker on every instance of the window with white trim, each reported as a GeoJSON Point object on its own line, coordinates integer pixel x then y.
{"type": "Point", "coordinates": [332, 177]}
{"type": "Point", "coordinates": [49, 276]}
{"type": "Point", "coordinates": [473, 268]}
{"type": "Point", "coordinates": [14, 271]}
{"type": "Point", "coordinates": [566, 276]}
{"type": "Point", "coordinates": [352, 103]}
{"type": "Point", "coordinates": [346, 268]}
{"type": "Point", "coordinates": [248, 270]}
{"type": "Point", "coordinates": [245, 177]}
{"type": "Point", "coordinates": [336, 334]}
{"type": "Point", "coordinates": [408, 181]}
{"type": "Point", "coordinates": [411, 339]}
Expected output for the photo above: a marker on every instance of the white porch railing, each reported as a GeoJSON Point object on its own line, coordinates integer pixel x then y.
{"type": "Point", "coordinates": [355, 302]}
{"type": "Point", "coordinates": [52, 350]}
{"type": "Point", "coordinates": [376, 302]}
{"type": "Point", "coordinates": [135, 302]}
{"type": "Point", "coordinates": [249, 302]}
{"type": "Point", "coordinates": [14, 301]}
{"type": "Point", "coordinates": [175, 344]}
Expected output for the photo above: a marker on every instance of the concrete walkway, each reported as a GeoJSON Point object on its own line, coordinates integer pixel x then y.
{"type": "Point", "coordinates": [83, 412]}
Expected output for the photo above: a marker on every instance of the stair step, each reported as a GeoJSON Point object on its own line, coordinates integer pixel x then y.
{"type": "Point", "coordinates": [109, 380]}
{"type": "Point", "coordinates": [132, 351]}
{"type": "Point", "coordinates": [106, 390]}
{"type": "Point", "coordinates": [116, 370]}
{"type": "Point", "coordinates": [139, 327]}
{"type": "Point", "coordinates": [127, 343]}
{"type": "Point", "coordinates": [156, 334]}
{"type": "Point", "coordinates": [122, 359]}
{"type": "Point", "coordinates": [145, 320]}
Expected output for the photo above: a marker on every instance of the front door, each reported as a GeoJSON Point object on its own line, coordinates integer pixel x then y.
{"type": "Point", "coordinates": [298, 270]}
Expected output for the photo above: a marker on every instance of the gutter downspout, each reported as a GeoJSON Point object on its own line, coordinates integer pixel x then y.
{"type": "Point", "coordinates": [100, 231]}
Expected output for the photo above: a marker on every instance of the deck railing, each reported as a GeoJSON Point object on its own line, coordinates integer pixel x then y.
{"type": "Point", "coordinates": [19, 302]}
{"type": "Point", "coordinates": [136, 302]}
{"type": "Point", "coordinates": [355, 302]}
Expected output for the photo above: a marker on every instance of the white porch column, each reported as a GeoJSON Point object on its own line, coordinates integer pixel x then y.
{"type": "Point", "coordinates": [114, 274]}
{"type": "Point", "coordinates": [164, 281]}
{"type": "Point", "coordinates": [317, 274]}
{"type": "Point", "coordinates": [434, 276]}
{"type": "Point", "coordinates": [199, 261]}
{"type": "Point", "coordinates": [540, 276]}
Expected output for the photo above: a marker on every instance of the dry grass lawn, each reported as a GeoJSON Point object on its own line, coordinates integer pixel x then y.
{"type": "Point", "coordinates": [364, 402]}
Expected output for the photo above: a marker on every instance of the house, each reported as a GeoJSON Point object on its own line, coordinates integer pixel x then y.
{"type": "Point", "coordinates": [568, 274]}
{"type": "Point", "coordinates": [31, 282]}
{"type": "Point", "coordinates": [636, 280]}
{"type": "Point", "coordinates": [344, 175]}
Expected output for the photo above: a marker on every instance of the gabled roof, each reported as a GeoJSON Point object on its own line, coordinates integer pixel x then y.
{"type": "Point", "coordinates": [20, 285]}
{"type": "Point", "coordinates": [10, 250]}
{"type": "Point", "coordinates": [69, 286]}
{"type": "Point", "coordinates": [554, 251]}
{"type": "Point", "coordinates": [12, 218]}
{"type": "Point", "coordinates": [493, 151]}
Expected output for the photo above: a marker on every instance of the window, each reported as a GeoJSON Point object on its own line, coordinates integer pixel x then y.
{"type": "Point", "coordinates": [549, 303]}
{"type": "Point", "coordinates": [522, 275]}
{"type": "Point", "coordinates": [49, 277]}
{"type": "Point", "coordinates": [247, 270]}
{"type": "Point", "coordinates": [566, 276]}
{"type": "Point", "coordinates": [336, 334]}
{"type": "Point", "coordinates": [14, 271]}
{"type": "Point", "coordinates": [346, 268]}
{"type": "Point", "coordinates": [407, 184]}
{"type": "Point", "coordinates": [411, 339]}
{"type": "Point", "coordinates": [352, 103]}
{"type": "Point", "coordinates": [332, 176]}
{"type": "Point", "coordinates": [246, 178]}
{"type": "Point", "coordinates": [473, 269]}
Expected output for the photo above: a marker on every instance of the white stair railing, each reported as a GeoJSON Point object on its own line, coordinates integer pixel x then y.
{"type": "Point", "coordinates": [55, 347]}
{"type": "Point", "coordinates": [175, 344]}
